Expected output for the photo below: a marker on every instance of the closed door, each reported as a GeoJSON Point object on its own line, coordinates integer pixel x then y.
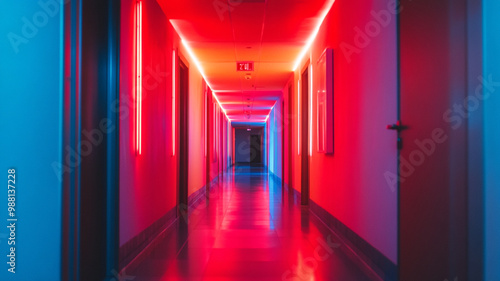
{"type": "Point", "coordinates": [304, 125]}
{"type": "Point", "coordinates": [432, 191]}
{"type": "Point", "coordinates": [184, 140]}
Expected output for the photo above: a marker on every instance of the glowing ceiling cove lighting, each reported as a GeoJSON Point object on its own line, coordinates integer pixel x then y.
{"type": "Point", "coordinates": [313, 35]}
{"type": "Point", "coordinates": [217, 99]}
{"type": "Point", "coordinates": [200, 69]}
{"type": "Point", "coordinates": [138, 94]}
{"type": "Point", "coordinates": [272, 108]}
{"type": "Point", "coordinates": [195, 60]}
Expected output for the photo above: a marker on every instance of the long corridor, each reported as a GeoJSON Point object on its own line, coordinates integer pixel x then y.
{"type": "Point", "coordinates": [248, 229]}
{"type": "Point", "coordinates": [288, 140]}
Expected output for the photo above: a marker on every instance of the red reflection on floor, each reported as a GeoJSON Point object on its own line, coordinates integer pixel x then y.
{"type": "Point", "coordinates": [247, 230]}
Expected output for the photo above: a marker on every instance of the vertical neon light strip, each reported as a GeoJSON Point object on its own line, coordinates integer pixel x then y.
{"type": "Point", "coordinates": [138, 97]}
{"type": "Point", "coordinates": [227, 142]}
{"type": "Point", "coordinates": [206, 121]}
{"type": "Point", "coordinates": [310, 107]}
{"type": "Point", "coordinates": [217, 134]}
{"type": "Point", "coordinates": [298, 117]}
{"type": "Point", "coordinates": [174, 82]}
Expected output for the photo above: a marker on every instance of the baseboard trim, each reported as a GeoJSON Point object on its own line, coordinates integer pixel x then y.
{"type": "Point", "coordinates": [358, 248]}
{"type": "Point", "coordinates": [134, 251]}
{"type": "Point", "coordinates": [295, 194]}
{"type": "Point", "coordinates": [136, 245]}
{"type": "Point", "coordinates": [275, 177]}
{"type": "Point", "coordinates": [369, 259]}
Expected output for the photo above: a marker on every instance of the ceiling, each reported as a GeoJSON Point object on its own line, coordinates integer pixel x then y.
{"type": "Point", "coordinates": [271, 33]}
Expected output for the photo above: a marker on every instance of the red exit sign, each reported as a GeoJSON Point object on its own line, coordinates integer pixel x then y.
{"type": "Point", "coordinates": [244, 66]}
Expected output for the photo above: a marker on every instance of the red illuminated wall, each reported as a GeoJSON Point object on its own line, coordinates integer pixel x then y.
{"type": "Point", "coordinates": [218, 137]}
{"type": "Point", "coordinates": [196, 177]}
{"type": "Point", "coordinates": [350, 184]}
{"type": "Point", "coordinates": [289, 138]}
{"type": "Point", "coordinates": [148, 182]}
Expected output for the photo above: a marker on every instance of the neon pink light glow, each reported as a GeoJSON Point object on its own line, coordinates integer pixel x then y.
{"type": "Point", "coordinates": [198, 65]}
{"type": "Point", "coordinates": [310, 107]}
{"type": "Point", "coordinates": [138, 97]}
{"type": "Point", "coordinates": [228, 138]}
{"type": "Point", "coordinates": [174, 77]}
{"type": "Point", "coordinates": [200, 69]}
{"type": "Point", "coordinates": [220, 105]}
{"type": "Point", "coordinates": [298, 117]}
{"type": "Point", "coordinates": [313, 35]}
{"type": "Point", "coordinates": [205, 118]}
{"type": "Point", "coordinates": [272, 108]}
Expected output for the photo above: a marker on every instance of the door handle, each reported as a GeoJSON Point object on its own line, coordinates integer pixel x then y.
{"type": "Point", "coordinates": [397, 127]}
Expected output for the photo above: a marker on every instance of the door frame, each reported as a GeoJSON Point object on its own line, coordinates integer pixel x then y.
{"type": "Point", "coordinates": [304, 99]}
{"type": "Point", "coordinates": [72, 137]}
{"type": "Point", "coordinates": [183, 125]}
{"type": "Point", "coordinates": [283, 143]}
{"type": "Point", "coordinates": [290, 130]}
{"type": "Point", "coordinates": [208, 143]}
{"type": "Point", "coordinates": [221, 141]}
{"type": "Point", "coordinates": [260, 143]}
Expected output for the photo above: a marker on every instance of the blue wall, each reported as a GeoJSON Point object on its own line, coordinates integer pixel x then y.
{"type": "Point", "coordinates": [30, 126]}
{"type": "Point", "coordinates": [275, 139]}
{"type": "Point", "coordinates": [491, 10]}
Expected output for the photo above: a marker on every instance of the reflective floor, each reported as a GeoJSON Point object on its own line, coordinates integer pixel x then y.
{"type": "Point", "coordinates": [248, 230]}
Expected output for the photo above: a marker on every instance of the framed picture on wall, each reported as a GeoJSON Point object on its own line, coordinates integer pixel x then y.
{"type": "Point", "coordinates": [324, 95]}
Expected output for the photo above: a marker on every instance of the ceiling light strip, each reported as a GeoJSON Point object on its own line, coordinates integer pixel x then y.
{"type": "Point", "coordinates": [272, 108]}
{"type": "Point", "coordinates": [313, 35]}
{"type": "Point", "coordinates": [200, 69]}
